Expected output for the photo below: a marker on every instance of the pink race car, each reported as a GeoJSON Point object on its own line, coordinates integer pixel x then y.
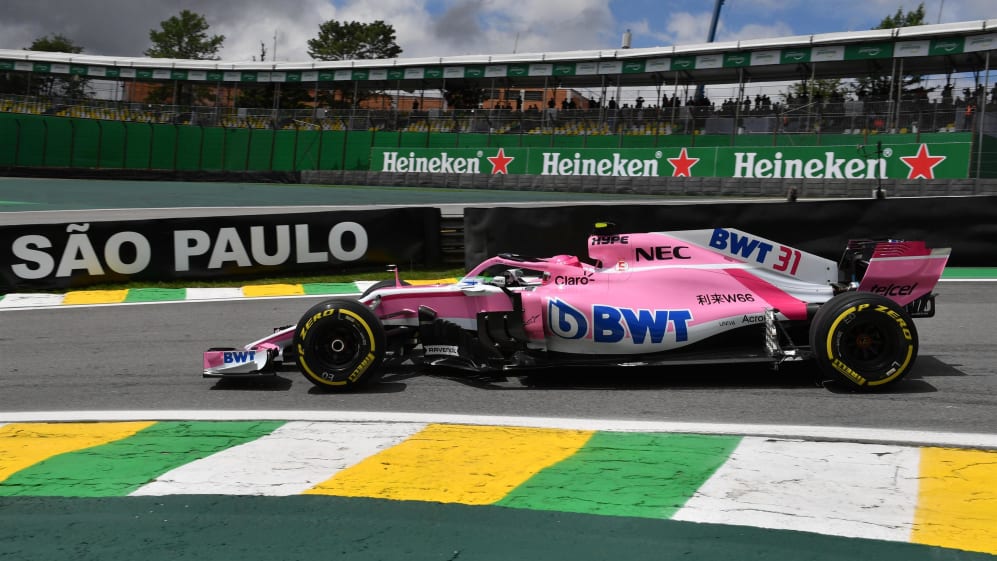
{"type": "Point", "coordinates": [684, 297]}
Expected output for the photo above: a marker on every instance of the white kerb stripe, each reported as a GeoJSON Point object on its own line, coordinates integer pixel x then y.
{"type": "Point", "coordinates": [842, 489]}
{"type": "Point", "coordinates": [213, 293]}
{"type": "Point", "coordinates": [17, 300]}
{"type": "Point", "coordinates": [362, 286]}
{"type": "Point", "coordinates": [295, 457]}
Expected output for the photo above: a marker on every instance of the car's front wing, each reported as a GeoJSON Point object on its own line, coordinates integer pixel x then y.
{"type": "Point", "coordinates": [253, 361]}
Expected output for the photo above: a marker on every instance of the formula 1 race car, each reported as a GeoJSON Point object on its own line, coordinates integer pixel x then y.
{"type": "Point", "coordinates": [684, 297]}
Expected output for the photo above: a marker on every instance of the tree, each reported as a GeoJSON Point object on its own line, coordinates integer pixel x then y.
{"type": "Point", "coordinates": [352, 41]}
{"type": "Point", "coordinates": [72, 86]}
{"type": "Point", "coordinates": [878, 88]}
{"type": "Point", "coordinates": [289, 96]}
{"type": "Point", "coordinates": [464, 95]}
{"type": "Point", "coordinates": [818, 89]}
{"type": "Point", "coordinates": [901, 19]}
{"type": "Point", "coordinates": [184, 37]}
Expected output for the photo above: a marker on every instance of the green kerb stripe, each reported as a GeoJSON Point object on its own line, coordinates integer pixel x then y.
{"type": "Point", "coordinates": [625, 474]}
{"type": "Point", "coordinates": [970, 273]}
{"type": "Point", "coordinates": [156, 294]}
{"type": "Point", "coordinates": [329, 288]}
{"type": "Point", "coordinates": [118, 468]}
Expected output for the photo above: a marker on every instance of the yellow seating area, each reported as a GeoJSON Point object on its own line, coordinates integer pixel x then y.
{"type": "Point", "coordinates": [649, 129]}
{"type": "Point", "coordinates": [438, 125]}
{"type": "Point", "coordinates": [574, 128]}
{"type": "Point", "coordinates": [113, 114]}
{"type": "Point", "coordinates": [533, 124]}
{"type": "Point", "coordinates": [28, 107]}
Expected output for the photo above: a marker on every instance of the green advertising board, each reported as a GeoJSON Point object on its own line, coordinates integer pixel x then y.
{"type": "Point", "coordinates": [948, 44]}
{"type": "Point", "coordinates": [894, 161]}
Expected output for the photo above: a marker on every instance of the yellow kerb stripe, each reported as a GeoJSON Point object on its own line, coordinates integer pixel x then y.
{"type": "Point", "coordinates": [25, 444]}
{"type": "Point", "coordinates": [255, 291]}
{"type": "Point", "coordinates": [456, 464]}
{"type": "Point", "coordinates": [94, 297]}
{"type": "Point", "coordinates": [957, 501]}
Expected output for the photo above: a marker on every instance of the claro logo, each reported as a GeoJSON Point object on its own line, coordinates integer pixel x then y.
{"type": "Point", "coordinates": [580, 280]}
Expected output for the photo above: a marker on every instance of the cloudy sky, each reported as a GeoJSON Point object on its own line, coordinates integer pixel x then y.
{"type": "Point", "coordinates": [427, 28]}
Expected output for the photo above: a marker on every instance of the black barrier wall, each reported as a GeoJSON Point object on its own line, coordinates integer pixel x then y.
{"type": "Point", "coordinates": [59, 256]}
{"type": "Point", "coordinates": [966, 224]}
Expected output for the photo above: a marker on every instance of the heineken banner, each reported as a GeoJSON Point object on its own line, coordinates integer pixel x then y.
{"type": "Point", "coordinates": [888, 161]}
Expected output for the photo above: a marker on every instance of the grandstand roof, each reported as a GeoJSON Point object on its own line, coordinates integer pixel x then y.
{"type": "Point", "coordinates": [927, 49]}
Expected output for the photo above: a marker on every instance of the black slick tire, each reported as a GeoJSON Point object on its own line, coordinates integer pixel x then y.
{"type": "Point", "coordinates": [864, 339]}
{"type": "Point", "coordinates": [339, 345]}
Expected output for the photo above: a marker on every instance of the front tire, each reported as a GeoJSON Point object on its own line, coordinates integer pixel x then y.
{"type": "Point", "coordinates": [340, 345]}
{"type": "Point", "coordinates": [864, 339]}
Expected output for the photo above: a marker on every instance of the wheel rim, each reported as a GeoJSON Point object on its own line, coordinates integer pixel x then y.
{"type": "Point", "coordinates": [868, 347]}
{"type": "Point", "coordinates": [338, 348]}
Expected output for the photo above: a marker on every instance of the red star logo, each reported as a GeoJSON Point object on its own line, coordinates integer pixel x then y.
{"type": "Point", "coordinates": [500, 162]}
{"type": "Point", "coordinates": [683, 164]}
{"type": "Point", "coordinates": [922, 165]}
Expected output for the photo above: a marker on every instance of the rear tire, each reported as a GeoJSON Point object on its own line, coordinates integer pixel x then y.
{"type": "Point", "coordinates": [864, 339]}
{"type": "Point", "coordinates": [339, 345]}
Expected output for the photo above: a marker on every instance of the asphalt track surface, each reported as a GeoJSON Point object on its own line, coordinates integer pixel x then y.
{"type": "Point", "coordinates": [147, 357]}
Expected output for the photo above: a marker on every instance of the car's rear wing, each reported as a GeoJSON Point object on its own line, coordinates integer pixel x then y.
{"type": "Point", "coordinates": [904, 271]}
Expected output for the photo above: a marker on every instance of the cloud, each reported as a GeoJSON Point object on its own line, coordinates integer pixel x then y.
{"type": "Point", "coordinates": [459, 24]}
{"type": "Point", "coordinates": [756, 31]}
{"type": "Point", "coordinates": [685, 29]}
{"type": "Point", "coordinates": [492, 26]}
{"type": "Point", "coordinates": [245, 24]}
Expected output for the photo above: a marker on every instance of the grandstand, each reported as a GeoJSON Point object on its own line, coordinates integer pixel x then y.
{"type": "Point", "coordinates": [596, 99]}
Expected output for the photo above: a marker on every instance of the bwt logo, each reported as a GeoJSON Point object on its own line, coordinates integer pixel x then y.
{"type": "Point", "coordinates": [740, 245]}
{"type": "Point", "coordinates": [238, 357]}
{"type": "Point", "coordinates": [565, 321]}
{"type": "Point", "coordinates": [610, 324]}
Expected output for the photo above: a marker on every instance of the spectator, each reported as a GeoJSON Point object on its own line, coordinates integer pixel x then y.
{"type": "Point", "coordinates": [947, 95]}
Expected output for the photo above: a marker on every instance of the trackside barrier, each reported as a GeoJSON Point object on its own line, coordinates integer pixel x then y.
{"type": "Point", "coordinates": [60, 256]}
{"type": "Point", "coordinates": [666, 186]}
{"type": "Point", "coordinates": [966, 224]}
